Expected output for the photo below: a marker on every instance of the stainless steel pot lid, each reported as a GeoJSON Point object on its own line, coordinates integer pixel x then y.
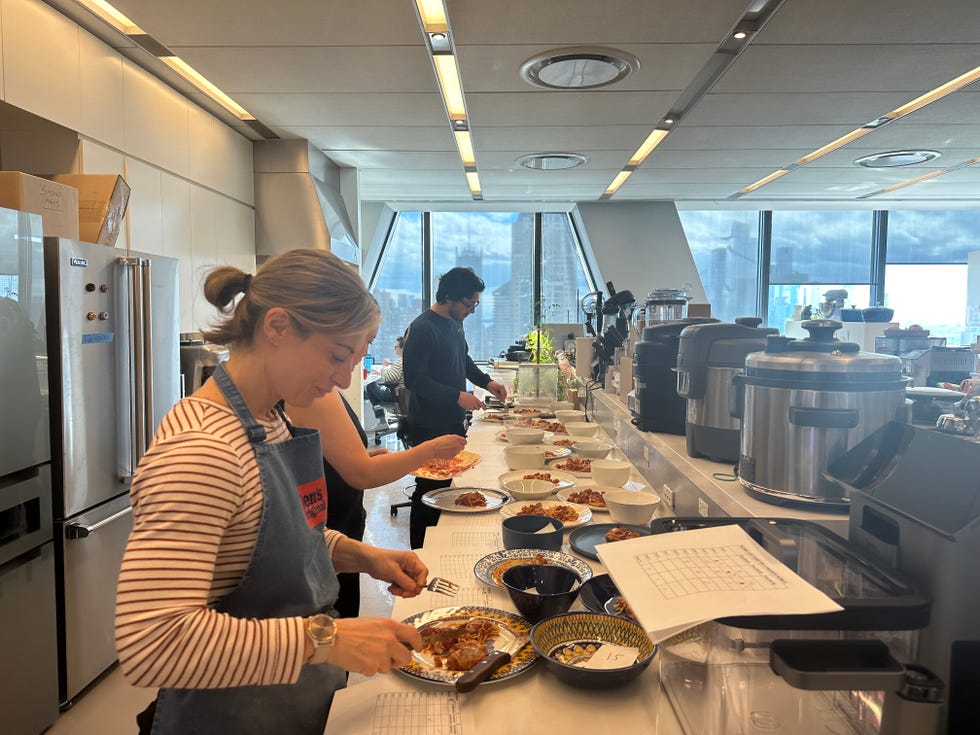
{"type": "Point", "coordinates": [820, 353]}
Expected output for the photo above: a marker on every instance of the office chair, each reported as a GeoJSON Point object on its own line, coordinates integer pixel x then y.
{"type": "Point", "coordinates": [381, 410]}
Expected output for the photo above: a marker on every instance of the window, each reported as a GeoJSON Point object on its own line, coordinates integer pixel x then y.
{"type": "Point", "coordinates": [563, 279]}
{"type": "Point", "coordinates": [813, 252]}
{"type": "Point", "coordinates": [725, 246]}
{"type": "Point", "coordinates": [926, 271]}
{"type": "Point", "coordinates": [497, 245]}
{"type": "Point", "coordinates": [398, 287]}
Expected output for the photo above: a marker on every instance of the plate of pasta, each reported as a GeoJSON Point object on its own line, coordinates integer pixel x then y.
{"type": "Point", "coordinates": [456, 638]}
{"type": "Point", "coordinates": [465, 499]}
{"type": "Point", "coordinates": [571, 514]}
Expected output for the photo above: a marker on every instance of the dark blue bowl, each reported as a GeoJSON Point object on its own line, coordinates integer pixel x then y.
{"type": "Point", "coordinates": [541, 590]}
{"type": "Point", "coordinates": [526, 532]}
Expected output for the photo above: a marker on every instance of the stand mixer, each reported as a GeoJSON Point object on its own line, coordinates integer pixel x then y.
{"type": "Point", "coordinates": [833, 303]}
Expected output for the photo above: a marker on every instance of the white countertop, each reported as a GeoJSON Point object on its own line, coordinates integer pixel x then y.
{"type": "Point", "coordinates": [535, 702]}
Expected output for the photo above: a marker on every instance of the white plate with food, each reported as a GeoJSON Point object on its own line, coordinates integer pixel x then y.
{"type": "Point", "coordinates": [457, 638]}
{"type": "Point", "coordinates": [465, 499]}
{"type": "Point", "coordinates": [574, 464]}
{"type": "Point", "coordinates": [589, 496]}
{"type": "Point", "coordinates": [490, 569]}
{"type": "Point", "coordinates": [560, 440]}
{"type": "Point", "coordinates": [560, 480]}
{"type": "Point", "coordinates": [571, 514]}
{"type": "Point", "coordinates": [553, 452]}
{"type": "Point", "coordinates": [494, 416]}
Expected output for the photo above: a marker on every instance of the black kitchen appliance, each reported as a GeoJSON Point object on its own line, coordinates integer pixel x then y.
{"type": "Point", "coordinates": [915, 507]}
{"type": "Point", "coordinates": [708, 358]}
{"type": "Point", "coordinates": [657, 407]}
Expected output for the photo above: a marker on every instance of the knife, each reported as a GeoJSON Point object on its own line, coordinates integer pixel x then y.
{"type": "Point", "coordinates": [493, 661]}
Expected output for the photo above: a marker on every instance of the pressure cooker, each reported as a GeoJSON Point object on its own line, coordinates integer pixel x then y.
{"type": "Point", "coordinates": [804, 403]}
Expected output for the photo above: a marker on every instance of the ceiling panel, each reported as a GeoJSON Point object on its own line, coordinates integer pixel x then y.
{"type": "Point", "coordinates": [838, 68]}
{"type": "Point", "coordinates": [314, 68]}
{"type": "Point", "coordinates": [875, 21]}
{"type": "Point", "coordinates": [356, 80]}
{"type": "Point", "coordinates": [606, 23]}
{"type": "Point", "coordinates": [794, 108]}
{"type": "Point", "coordinates": [282, 23]}
{"type": "Point", "coordinates": [568, 108]}
{"type": "Point", "coordinates": [347, 108]}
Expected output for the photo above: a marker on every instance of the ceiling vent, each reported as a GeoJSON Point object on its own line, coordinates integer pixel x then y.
{"type": "Point", "coordinates": [893, 159]}
{"type": "Point", "coordinates": [552, 161]}
{"type": "Point", "coordinates": [579, 67]}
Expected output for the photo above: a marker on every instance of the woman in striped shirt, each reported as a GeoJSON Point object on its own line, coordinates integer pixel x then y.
{"type": "Point", "coordinates": [229, 575]}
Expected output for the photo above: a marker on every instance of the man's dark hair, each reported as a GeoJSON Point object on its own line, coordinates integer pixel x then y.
{"type": "Point", "coordinates": [457, 284]}
{"type": "Point", "coordinates": [400, 342]}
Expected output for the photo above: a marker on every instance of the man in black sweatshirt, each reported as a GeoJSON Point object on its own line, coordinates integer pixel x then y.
{"type": "Point", "coordinates": [436, 365]}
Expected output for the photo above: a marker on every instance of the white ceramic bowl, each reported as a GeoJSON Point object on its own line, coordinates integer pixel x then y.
{"type": "Point", "coordinates": [529, 489]}
{"type": "Point", "coordinates": [581, 428]}
{"type": "Point", "coordinates": [525, 456]}
{"type": "Point", "coordinates": [591, 448]}
{"type": "Point", "coordinates": [524, 435]}
{"type": "Point", "coordinates": [631, 506]}
{"type": "Point", "coordinates": [566, 415]}
{"type": "Point", "coordinates": [615, 472]}
{"type": "Point", "coordinates": [562, 406]}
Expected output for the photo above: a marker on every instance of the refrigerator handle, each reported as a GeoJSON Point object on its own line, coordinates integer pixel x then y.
{"type": "Point", "coordinates": [140, 389]}
{"type": "Point", "coordinates": [80, 530]}
{"type": "Point", "coordinates": [145, 398]}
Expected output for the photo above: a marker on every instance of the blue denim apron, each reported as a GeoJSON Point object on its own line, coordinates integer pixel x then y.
{"type": "Point", "coordinates": [290, 573]}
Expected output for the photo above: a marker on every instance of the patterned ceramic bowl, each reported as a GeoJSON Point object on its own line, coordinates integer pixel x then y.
{"type": "Point", "coordinates": [564, 640]}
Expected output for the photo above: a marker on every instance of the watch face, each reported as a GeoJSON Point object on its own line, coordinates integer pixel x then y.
{"type": "Point", "coordinates": [322, 629]}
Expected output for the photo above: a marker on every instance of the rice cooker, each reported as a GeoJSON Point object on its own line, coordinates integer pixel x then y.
{"type": "Point", "coordinates": [804, 403]}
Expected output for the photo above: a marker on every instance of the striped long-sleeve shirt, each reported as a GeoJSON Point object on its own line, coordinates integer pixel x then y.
{"type": "Point", "coordinates": [197, 505]}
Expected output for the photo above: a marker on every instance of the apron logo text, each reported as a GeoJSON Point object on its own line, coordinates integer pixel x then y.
{"type": "Point", "coordinates": [313, 496]}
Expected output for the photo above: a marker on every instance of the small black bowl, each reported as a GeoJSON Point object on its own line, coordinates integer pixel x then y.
{"type": "Point", "coordinates": [541, 590]}
{"type": "Point", "coordinates": [526, 532]}
{"type": "Point", "coordinates": [852, 314]}
{"type": "Point", "coordinates": [878, 314]}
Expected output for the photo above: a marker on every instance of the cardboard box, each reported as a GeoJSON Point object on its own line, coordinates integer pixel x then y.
{"type": "Point", "coordinates": [102, 201]}
{"type": "Point", "coordinates": [699, 310]}
{"type": "Point", "coordinates": [57, 203]}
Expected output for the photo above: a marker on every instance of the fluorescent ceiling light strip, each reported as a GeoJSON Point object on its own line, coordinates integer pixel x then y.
{"type": "Point", "coordinates": [465, 145]}
{"type": "Point", "coordinates": [652, 141]}
{"type": "Point", "coordinates": [617, 182]}
{"type": "Point", "coordinates": [188, 72]}
{"type": "Point", "coordinates": [909, 182]}
{"type": "Point", "coordinates": [433, 15]}
{"type": "Point", "coordinates": [450, 85]}
{"type": "Point", "coordinates": [112, 16]}
{"type": "Point", "coordinates": [939, 92]}
{"type": "Point", "coordinates": [834, 145]}
{"type": "Point", "coordinates": [762, 182]}
{"type": "Point", "coordinates": [473, 181]}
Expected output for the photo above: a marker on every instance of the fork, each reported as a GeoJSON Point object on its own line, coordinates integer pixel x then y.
{"type": "Point", "coordinates": [442, 586]}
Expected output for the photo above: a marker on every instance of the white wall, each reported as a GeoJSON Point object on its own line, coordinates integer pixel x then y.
{"type": "Point", "coordinates": [191, 175]}
{"type": "Point", "coordinates": [640, 246]}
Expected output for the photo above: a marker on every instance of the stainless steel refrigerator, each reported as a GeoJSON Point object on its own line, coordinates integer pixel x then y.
{"type": "Point", "coordinates": [28, 641]}
{"type": "Point", "coordinates": [114, 373]}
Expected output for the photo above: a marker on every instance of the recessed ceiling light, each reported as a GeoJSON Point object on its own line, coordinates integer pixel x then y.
{"type": "Point", "coordinates": [551, 161]}
{"type": "Point", "coordinates": [892, 159]}
{"type": "Point", "coordinates": [579, 67]}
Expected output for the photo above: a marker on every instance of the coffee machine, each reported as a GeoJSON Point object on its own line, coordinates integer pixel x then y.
{"type": "Point", "coordinates": [198, 360]}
